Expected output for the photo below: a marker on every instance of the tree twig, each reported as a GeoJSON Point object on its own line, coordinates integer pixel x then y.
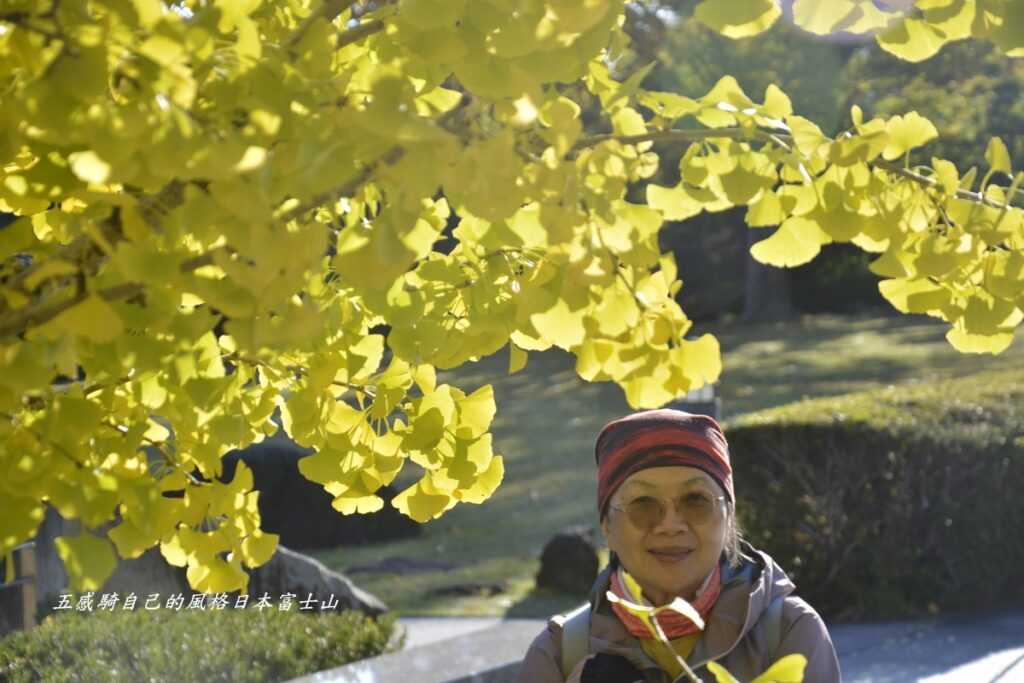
{"type": "Point", "coordinates": [328, 11]}
{"type": "Point", "coordinates": [675, 135]}
{"type": "Point", "coordinates": [357, 33]}
{"type": "Point", "coordinates": [348, 188]}
{"type": "Point", "coordinates": [23, 318]}
{"type": "Point", "coordinates": [684, 135]}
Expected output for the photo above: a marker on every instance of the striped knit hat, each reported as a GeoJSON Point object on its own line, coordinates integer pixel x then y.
{"type": "Point", "coordinates": [659, 438]}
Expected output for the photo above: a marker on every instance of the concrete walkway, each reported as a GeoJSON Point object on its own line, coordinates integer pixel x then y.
{"type": "Point", "coordinates": [986, 648]}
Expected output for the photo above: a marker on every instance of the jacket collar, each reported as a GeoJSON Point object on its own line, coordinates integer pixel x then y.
{"type": "Point", "coordinates": [747, 590]}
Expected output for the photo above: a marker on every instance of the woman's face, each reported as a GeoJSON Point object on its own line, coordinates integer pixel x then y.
{"type": "Point", "coordinates": [674, 556]}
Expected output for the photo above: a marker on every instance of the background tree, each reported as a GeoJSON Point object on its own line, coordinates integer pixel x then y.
{"type": "Point", "coordinates": [969, 90]}
{"type": "Point", "coordinates": [714, 249]}
{"type": "Point", "coordinates": [280, 172]}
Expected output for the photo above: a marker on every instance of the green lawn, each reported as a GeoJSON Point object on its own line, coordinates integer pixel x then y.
{"type": "Point", "coordinates": [547, 421]}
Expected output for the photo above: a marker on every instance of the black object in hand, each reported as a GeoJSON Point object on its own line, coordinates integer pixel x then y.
{"type": "Point", "coordinates": [606, 668]}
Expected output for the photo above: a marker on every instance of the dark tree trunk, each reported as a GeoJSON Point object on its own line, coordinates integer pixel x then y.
{"type": "Point", "coordinates": [767, 296]}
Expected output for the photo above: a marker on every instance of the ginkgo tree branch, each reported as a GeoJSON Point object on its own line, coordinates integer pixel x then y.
{"type": "Point", "coordinates": [775, 137]}
{"type": "Point", "coordinates": [976, 197]}
{"type": "Point", "coordinates": [58, 448]}
{"type": "Point", "coordinates": [673, 135]}
{"type": "Point", "coordinates": [346, 189]}
{"type": "Point", "coordinates": [349, 187]}
{"type": "Point", "coordinates": [19, 320]}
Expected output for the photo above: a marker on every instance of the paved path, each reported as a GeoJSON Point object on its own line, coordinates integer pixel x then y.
{"type": "Point", "coordinates": [982, 648]}
{"type": "Point", "coordinates": [985, 648]}
{"type": "Point", "coordinates": [425, 630]}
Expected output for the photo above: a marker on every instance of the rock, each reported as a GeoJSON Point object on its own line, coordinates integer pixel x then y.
{"type": "Point", "coordinates": [51, 578]}
{"type": "Point", "coordinates": [292, 572]}
{"type": "Point", "coordinates": [569, 562]}
{"type": "Point", "coordinates": [149, 573]}
{"type": "Point", "coordinates": [300, 511]}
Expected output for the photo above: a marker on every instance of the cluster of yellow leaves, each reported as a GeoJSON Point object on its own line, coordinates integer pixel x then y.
{"type": "Point", "coordinates": [949, 245]}
{"type": "Point", "coordinates": [912, 29]}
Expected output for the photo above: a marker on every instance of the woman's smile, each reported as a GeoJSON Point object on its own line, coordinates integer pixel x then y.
{"type": "Point", "coordinates": [670, 555]}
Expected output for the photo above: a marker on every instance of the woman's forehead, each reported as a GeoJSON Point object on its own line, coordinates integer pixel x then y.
{"type": "Point", "coordinates": [670, 477]}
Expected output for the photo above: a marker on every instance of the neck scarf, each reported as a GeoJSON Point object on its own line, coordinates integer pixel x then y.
{"type": "Point", "coordinates": [674, 625]}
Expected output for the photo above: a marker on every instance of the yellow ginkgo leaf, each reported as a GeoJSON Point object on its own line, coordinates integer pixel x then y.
{"type": "Point", "coordinates": [907, 133]}
{"type": "Point", "coordinates": [738, 18]}
{"type": "Point", "coordinates": [89, 166]}
{"type": "Point", "coordinates": [89, 560]}
{"type": "Point", "coordinates": [721, 675]}
{"type": "Point", "coordinates": [789, 669]}
{"type": "Point", "coordinates": [92, 318]}
{"type": "Point", "coordinates": [797, 241]}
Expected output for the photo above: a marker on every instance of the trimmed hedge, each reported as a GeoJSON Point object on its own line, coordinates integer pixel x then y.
{"type": "Point", "coordinates": [191, 645]}
{"type": "Point", "coordinates": [891, 503]}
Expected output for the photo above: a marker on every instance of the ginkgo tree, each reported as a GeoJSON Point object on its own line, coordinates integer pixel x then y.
{"type": "Point", "coordinates": [223, 202]}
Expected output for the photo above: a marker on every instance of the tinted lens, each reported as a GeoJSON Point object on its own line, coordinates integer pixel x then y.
{"type": "Point", "coordinates": [645, 512]}
{"type": "Point", "coordinates": [696, 507]}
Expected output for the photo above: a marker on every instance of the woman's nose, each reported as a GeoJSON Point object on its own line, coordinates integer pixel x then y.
{"type": "Point", "coordinates": [672, 520]}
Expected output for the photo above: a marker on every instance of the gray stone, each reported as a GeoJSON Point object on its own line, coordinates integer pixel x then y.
{"type": "Point", "coordinates": [292, 572]}
{"type": "Point", "coordinates": [299, 510]}
{"type": "Point", "coordinates": [50, 573]}
{"type": "Point", "coordinates": [569, 562]}
{"type": "Point", "coordinates": [146, 574]}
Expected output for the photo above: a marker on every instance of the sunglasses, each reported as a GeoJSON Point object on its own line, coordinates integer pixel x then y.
{"type": "Point", "coordinates": [647, 512]}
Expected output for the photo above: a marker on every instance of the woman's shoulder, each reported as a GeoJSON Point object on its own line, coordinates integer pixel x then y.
{"type": "Point", "coordinates": [802, 622]}
{"type": "Point", "coordinates": [794, 607]}
{"type": "Point", "coordinates": [543, 658]}
{"type": "Point", "coordinates": [550, 637]}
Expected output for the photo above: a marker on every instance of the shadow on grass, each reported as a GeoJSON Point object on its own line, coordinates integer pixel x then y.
{"type": "Point", "coordinates": [541, 603]}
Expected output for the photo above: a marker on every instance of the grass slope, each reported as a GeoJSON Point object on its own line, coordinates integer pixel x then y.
{"type": "Point", "coordinates": [547, 421]}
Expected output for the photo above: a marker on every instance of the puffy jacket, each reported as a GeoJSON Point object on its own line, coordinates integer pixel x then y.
{"type": "Point", "coordinates": [735, 636]}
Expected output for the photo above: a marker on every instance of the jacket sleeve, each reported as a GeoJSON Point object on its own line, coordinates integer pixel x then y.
{"type": "Point", "coordinates": [542, 661]}
{"type": "Point", "coordinates": [807, 635]}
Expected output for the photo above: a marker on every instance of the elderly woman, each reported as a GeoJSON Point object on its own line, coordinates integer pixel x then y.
{"type": "Point", "coordinates": [667, 509]}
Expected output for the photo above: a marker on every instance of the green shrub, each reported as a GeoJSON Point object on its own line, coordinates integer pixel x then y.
{"type": "Point", "coordinates": [894, 502]}
{"type": "Point", "coordinates": [191, 645]}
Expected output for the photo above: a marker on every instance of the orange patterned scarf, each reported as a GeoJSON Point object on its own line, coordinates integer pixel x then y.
{"type": "Point", "coordinates": [674, 625]}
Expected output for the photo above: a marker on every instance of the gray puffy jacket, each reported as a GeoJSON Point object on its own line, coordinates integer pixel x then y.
{"type": "Point", "coordinates": [735, 636]}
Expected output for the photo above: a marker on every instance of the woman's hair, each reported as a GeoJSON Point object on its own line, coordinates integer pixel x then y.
{"type": "Point", "coordinates": [733, 535]}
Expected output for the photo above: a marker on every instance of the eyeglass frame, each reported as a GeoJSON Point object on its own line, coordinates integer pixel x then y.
{"type": "Point", "coordinates": [664, 510]}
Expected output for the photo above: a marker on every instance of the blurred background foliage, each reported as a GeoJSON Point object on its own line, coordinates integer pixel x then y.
{"type": "Point", "coordinates": [969, 90]}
